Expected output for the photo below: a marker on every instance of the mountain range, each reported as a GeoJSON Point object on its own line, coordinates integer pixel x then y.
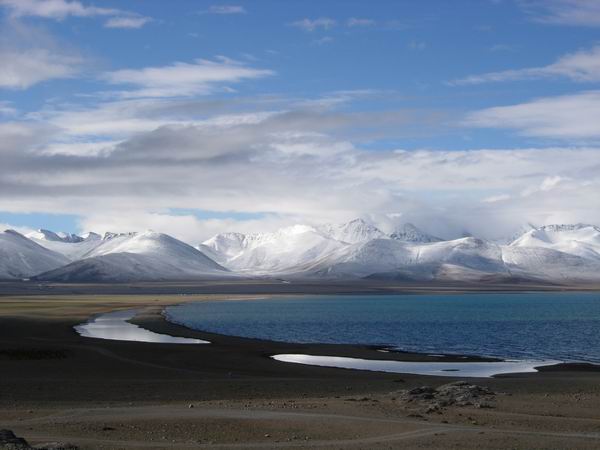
{"type": "Point", "coordinates": [561, 254]}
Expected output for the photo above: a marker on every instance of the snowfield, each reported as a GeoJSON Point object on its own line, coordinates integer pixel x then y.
{"type": "Point", "coordinates": [146, 256]}
{"type": "Point", "coordinates": [553, 253]}
{"type": "Point", "coordinates": [22, 258]}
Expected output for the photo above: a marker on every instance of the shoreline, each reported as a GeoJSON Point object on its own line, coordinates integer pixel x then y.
{"type": "Point", "coordinates": [157, 321]}
{"type": "Point", "coordinates": [94, 393]}
{"type": "Point", "coordinates": [269, 287]}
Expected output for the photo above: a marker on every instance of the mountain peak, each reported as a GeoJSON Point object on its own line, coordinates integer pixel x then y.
{"type": "Point", "coordinates": [410, 233]}
{"type": "Point", "coordinates": [559, 236]}
{"type": "Point", "coordinates": [355, 231]}
{"type": "Point", "coordinates": [109, 235]}
{"type": "Point", "coordinates": [12, 232]}
{"type": "Point", "coordinates": [91, 236]}
{"type": "Point", "coordinates": [47, 235]}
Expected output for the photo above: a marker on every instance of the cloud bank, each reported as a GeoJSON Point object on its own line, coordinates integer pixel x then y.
{"type": "Point", "coordinates": [572, 117]}
{"type": "Point", "coordinates": [279, 166]}
{"type": "Point", "coordinates": [156, 147]}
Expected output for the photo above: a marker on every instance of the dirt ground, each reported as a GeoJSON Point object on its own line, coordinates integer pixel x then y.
{"type": "Point", "coordinates": [56, 386]}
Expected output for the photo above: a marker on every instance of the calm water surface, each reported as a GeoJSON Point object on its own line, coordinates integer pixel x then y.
{"type": "Point", "coordinates": [115, 326]}
{"type": "Point", "coordinates": [558, 326]}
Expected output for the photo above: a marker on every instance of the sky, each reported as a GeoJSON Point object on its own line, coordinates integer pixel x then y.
{"type": "Point", "coordinates": [198, 117]}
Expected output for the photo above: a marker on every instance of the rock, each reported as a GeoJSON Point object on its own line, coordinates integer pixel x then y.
{"type": "Point", "coordinates": [433, 408]}
{"type": "Point", "coordinates": [460, 393]}
{"type": "Point", "coordinates": [422, 390]}
{"type": "Point", "coordinates": [8, 440]}
{"type": "Point", "coordinates": [421, 393]}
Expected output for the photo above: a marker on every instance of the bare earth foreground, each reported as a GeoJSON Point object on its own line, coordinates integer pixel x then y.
{"type": "Point", "coordinates": [56, 386]}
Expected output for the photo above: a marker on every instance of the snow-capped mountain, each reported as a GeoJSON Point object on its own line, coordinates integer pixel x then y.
{"type": "Point", "coordinates": [287, 248]}
{"type": "Point", "coordinates": [357, 249]}
{"type": "Point", "coordinates": [275, 252]}
{"type": "Point", "coordinates": [409, 233]}
{"type": "Point", "coordinates": [389, 258]}
{"type": "Point", "coordinates": [580, 239]}
{"type": "Point", "coordinates": [69, 245]}
{"type": "Point", "coordinates": [20, 257]}
{"type": "Point", "coordinates": [352, 232]}
{"type": "Point", "coordinates": [51, 236]}
{"type": "Point", "coordinates": [465, 259]}
{"type": "Point", "coordinates": [550, 265]}
{"type": "Point", "coordinates": [226, 246]}
{"type": "Point", "coordinates": [139, 257]}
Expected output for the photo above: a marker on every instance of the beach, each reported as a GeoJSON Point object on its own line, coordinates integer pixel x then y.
{"type": "Point", "coordinates": [57, 386]}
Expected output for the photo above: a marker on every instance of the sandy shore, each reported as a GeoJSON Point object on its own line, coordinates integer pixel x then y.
{"type": "Point", "coordinates": [58, 386]}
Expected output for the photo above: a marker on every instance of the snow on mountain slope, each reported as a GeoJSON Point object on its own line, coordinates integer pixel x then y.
{"type": "Point", "coordinates": [280, 251]}
{"type": "Point", "coordinates": [409, 233]}
{"type": "Point", "coordinates": [465, 259]}
{"type": "Point", "coordinates": [47, 235]}
{"type": "Point", "coordinates": [352, 232]}
{"type": "Point", "coordinates": [469, 252]}
{"type": "Point", "coordinates": [225, 246]}
{"type": "Point", "coordinates": [580, 239]}
{"type": "Point", "coordinates": [72, 246]}
{"type": "Point", "coordinates": [139, 257]}
{"type": "Point", "coordinates": [550, 265]}
{"type": "Point", "coordinates": [22, 258]}
{"type": "Point", "coordinates": [355, 250]}
{"type": "Point", "coordinates": [398, 259]}
{"type": "Point", "coordinates": [553, 253]}
{"type": "Point", "coordinates": [271, 253]}
{"type": "Point", "coordinates": [360, 260]}
{"type": "Point", "coordinates": [283, 249]}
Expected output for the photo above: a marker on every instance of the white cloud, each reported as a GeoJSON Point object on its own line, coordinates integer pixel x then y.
{"type": "Point", "coordinates": [30, 56]}
{"type": "Point", "coordinates": [127, 22]}
{"type": "Point", "coordinates": [324, 23]}
{"type": "Point", "coordinates": [582, 66]}
{"type": "Point", "coordinates": [291, 165]}
{"type": "Point", "coordinates": [497, 198]}
{"type": "Point", "coordinates": [564, 12]}
{"type": "Point", "coordinates": [360, 22]}
{"type": "Point", "coordinates": [132, 163]}
{"type": "Point", "coordinates": [183, 79]}
{"type": "Point", "coordinates": [568, 117]}
{"type": "Point", "coordinates": [22, 69]}
{"type": "Point", "coordinates": [550, 183]}
{"type": "Point", "coordinates": [54, 9]}
{"type": "Point", "coordinates": [183, 226]}
{"type": "Point", "coordinates": [61, 9]}
{"type": "Point", "coordinates": [226, 9]}
{"type": "Point", "coordinates": [7, 109]}
{"type": "Point", "coordinates": [22, 230]}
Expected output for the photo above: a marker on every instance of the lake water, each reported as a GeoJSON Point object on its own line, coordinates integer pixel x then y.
{"type": "Point", "coordinates": [523, 326]}
{"type": "Point", "coordinates": [115, 326]}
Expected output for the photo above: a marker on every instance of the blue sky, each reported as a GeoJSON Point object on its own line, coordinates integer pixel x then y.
{"type": "Point", "coordinates": [196, 116]}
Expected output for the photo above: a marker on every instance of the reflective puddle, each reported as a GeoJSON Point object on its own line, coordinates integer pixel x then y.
{"type": "Point", "coordinates": [115, 326]}
{"type": "Point", "coordinates": [443, 369]}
